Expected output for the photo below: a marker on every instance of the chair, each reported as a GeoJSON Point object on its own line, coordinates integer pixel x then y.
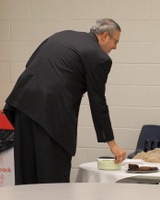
{"type": "Point", "coordinates": [149, 139]}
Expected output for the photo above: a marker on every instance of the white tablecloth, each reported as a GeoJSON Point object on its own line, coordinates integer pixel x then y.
{"type": "Point", "coordinates": [88, 172]}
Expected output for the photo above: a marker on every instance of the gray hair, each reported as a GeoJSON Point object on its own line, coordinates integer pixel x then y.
{"type": "Point", "coordinates": [105, 25]}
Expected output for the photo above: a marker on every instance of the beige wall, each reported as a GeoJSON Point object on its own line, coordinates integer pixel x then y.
{"type": "Point", "coordinates": [133, 89]}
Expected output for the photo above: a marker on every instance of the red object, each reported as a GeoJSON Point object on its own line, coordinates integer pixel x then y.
{"type": "Point", "coordinates": [4, 122]}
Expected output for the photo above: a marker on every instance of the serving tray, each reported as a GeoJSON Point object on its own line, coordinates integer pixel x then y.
{"type": "Point", "coordinates": [139, 171]}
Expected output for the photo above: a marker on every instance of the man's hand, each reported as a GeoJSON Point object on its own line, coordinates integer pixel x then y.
{"type": "Point", "coordinates": [119, 153]}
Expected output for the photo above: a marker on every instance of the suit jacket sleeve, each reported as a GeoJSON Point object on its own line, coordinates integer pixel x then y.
{"type": "Point", "coordinates": [96, 78]}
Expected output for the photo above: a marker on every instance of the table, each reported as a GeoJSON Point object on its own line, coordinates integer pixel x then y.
{"type": "Point", "coordinates": [88, 172]}
{"type": "Point", "coordinates": [80, 191]}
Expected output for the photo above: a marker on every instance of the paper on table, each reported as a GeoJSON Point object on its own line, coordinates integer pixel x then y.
{"type": "Point", "coordinates": [152, 156]}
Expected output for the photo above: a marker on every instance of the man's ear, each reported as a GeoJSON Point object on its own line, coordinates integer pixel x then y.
{"type": "Point", "coordinates": [104, 36]}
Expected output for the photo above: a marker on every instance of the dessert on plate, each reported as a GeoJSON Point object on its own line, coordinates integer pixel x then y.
{"type": "Point", "coordinates": [135, 168]}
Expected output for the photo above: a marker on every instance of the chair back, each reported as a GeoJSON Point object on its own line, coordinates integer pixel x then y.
{"type": "Point", "coordinates": [149, 139]}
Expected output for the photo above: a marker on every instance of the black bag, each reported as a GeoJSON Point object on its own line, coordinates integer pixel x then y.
{"type": "Point", "coordinates": [6, 132]}
{"type": "Point", "coordinates": [6, 139]}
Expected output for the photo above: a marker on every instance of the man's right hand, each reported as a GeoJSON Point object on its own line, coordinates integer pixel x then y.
{"type": "Point", "coordinates": [119, 153]}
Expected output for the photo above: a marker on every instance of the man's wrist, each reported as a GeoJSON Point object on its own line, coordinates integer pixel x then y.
{"type": "Point", "coordinates": [111, 143]}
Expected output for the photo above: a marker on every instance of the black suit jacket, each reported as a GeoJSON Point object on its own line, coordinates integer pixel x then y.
{"type": "Point", "coordinates": [59, 72]}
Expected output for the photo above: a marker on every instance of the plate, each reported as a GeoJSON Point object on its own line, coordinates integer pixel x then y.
{"type": "Point", "coordinates": [138, 171]}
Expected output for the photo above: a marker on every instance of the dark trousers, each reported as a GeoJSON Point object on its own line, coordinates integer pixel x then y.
{"type": "Point", "coordinates": [38, 158]}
